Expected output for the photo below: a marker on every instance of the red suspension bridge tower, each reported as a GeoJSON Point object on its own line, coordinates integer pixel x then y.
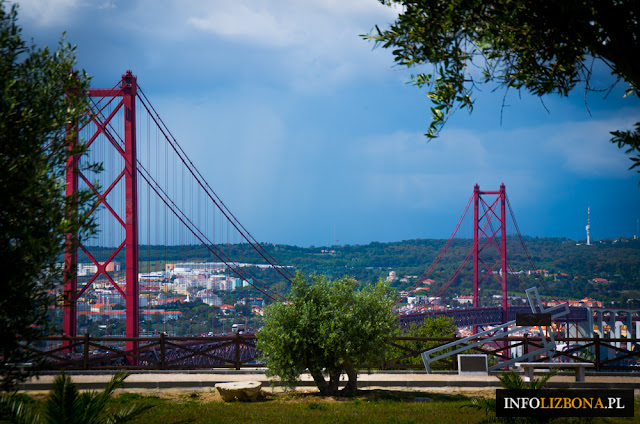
{"type": "Point", "coordinates": [487, 239]}
{"type": "Point", "coordinates": [489, 248]}
{"type": "Point", "coordinates": [126, 106]}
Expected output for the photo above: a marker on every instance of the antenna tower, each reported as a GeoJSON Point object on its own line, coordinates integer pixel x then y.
{"type": "Point", "coordinates": [588, 225]}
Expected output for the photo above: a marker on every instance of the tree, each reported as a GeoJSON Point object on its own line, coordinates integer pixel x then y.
{"type": "Point", "coordinates": [542, 47]}
{"type": "Point", "coordinates": [327, 328]}
{"type": "Point", "coordinates": [42, 101]}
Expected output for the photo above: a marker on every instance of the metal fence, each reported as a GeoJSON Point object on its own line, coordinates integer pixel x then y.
{"type": "Point", "coordinates": [239, 350]}
{"type": "Point", "coordinates": [154, 353]}
{"type": "Point", "coordinates": [607, 354]}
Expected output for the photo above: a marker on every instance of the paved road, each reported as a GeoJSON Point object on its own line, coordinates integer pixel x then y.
{"type": "Point", "coordinates": [204, 380]}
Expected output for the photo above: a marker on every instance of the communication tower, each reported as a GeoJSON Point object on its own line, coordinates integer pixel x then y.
{"type": "Point", "coordinates": [588, 225]}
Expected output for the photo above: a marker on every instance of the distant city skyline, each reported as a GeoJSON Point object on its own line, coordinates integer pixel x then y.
{"type": "Point", "coordinates": [310, 135]}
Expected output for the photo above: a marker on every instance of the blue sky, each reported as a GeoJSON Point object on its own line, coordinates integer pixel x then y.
{"type": "Point", "coordinates": [304, 129]}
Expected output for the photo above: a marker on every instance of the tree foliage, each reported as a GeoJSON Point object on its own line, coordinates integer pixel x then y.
{"type": "Point", "coordinates": [542, 47]}
{"type": "Point", "coordinates": [42, 99]}
{"type": "Point", "coordinates": [406, 352]}
{"type": "Point", "coordinates": [327, 327]}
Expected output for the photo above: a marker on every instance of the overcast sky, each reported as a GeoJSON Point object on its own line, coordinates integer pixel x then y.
{"type": "Point", "coordinates": [303, 128]}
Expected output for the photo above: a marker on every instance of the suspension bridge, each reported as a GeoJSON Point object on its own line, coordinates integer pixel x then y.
{"type": "Point", "coordinates": [159, 212]}
{"type": "Point", "coordinates": [149, 193]}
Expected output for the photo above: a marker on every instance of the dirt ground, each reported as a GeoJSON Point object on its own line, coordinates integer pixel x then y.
{"type": "Point", "coordinates": [311, 395]}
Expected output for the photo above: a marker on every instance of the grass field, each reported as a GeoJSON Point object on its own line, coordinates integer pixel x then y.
{"type": "Point", "coordinates": [368, 406]}
{"type": "Point", "coordinates": [372, 407]}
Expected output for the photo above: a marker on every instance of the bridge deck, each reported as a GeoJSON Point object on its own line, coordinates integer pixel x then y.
{"type": "Point", "coordinates": [485, 316]}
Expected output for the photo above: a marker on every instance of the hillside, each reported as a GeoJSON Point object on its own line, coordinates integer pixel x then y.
{"type": "Point", "coordinates": [616, 261]}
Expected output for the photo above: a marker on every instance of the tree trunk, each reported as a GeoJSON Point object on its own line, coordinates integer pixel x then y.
{"type": "Point", "coordinates": [352, 373]}
{"type": "Point", "coordinates": [334, 381]}
{"type": "Point", "coordinates": [318, 378]}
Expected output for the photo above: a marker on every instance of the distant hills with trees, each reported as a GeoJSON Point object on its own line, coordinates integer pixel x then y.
{"type": "Point", "coordinates": [570, 268]}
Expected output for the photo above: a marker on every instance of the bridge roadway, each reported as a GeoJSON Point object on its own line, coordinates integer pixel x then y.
{"type": "Point", "coordinates": [485, 316]}
{"type": "Point", "coordinates": [451, 382]}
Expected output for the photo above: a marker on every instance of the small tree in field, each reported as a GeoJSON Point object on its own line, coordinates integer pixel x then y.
{"type": "Point", "coordinates": [327, 328]}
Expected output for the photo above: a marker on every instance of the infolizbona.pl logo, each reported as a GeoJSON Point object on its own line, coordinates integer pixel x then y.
{"type": "Point", "coordinates": [564, 403]}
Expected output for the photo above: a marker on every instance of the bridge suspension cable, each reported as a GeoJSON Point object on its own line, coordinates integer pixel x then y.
{"type": "Point", "coordinates": [209, 191]}
{"type": "Point", "coordinates": [102, 118]}
{"type": "Point", "coordinates": [524, 246]}
{"type": "Point", "coordinates": [509, 267]}
{"type": "Point", "coordinates": [183, 217]}
{"type": "Point", "coordinates": [457, 272]}
{"type": "Point", "coordinates": [426, 274]}
{"type": "Point", "coordinates": [118, 143]}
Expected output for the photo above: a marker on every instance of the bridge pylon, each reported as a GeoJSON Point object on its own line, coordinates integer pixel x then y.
{"type": "Point", "coordinates": [123, 96]}
{"type": "Point", "coordinates": [488, 239]}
